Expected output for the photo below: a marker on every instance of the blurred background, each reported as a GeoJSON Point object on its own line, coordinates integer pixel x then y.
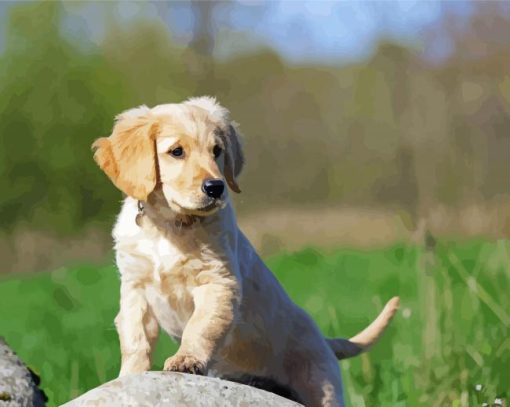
{"type": "Point", "coordinates": [367, 125]}
{"type": "Point", "coordinates": [367, 121]}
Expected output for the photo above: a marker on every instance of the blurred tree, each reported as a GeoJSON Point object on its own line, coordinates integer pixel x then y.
{"type": "Point", "coordinates": [199, 55]}
{"type": "Point", "coordinates": [54, 100]}
{"type": "Point", "coordinates": [147, 62]}
{"type": "Point", "coordinates": [394, 130]}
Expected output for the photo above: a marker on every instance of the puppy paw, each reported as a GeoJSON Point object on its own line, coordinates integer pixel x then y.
{"type": "Point", "coordinates": [185, 364]}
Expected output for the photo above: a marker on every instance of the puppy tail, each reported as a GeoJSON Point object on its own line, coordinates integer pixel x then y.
{"type": "Point", "coordinates": [347, 348]}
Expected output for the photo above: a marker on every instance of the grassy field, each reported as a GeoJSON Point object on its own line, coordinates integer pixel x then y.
{"type": "Point", "coordinates": [451, 334]}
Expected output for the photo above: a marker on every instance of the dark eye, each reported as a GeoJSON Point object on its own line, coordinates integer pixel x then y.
{"type": "Point", "coordinates": [177, 152]}
{"type": "Point", "coordinates": [217, 150]}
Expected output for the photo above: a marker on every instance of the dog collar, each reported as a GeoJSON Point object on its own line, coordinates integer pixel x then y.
{"type": "Point", "coordinates": [180, 221]}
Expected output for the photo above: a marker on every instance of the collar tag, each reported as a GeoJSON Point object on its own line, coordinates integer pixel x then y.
{"type": "Point", "coordinates": [139, 215]}
{"type": "Point", "coordinates": [140, 206]}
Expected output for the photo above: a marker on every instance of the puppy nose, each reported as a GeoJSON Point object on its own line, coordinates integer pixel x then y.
{"type": "Point", "coordinates": [213, 187]}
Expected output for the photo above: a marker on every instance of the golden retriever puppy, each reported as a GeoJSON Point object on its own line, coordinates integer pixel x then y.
{"type": "Point", "coordinates": [186, 266]}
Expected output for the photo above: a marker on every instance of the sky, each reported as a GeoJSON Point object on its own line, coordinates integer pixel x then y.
{"type": "Point", "coordinates": [325, 31]}
{"type": "Point", "coordinates": [300, 31]}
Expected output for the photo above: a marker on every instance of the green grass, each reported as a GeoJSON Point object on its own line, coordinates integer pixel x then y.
{"type": "Point", "coordinates": [452, 332]}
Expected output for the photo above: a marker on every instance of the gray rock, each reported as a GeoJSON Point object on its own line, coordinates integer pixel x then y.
{"type": "Point", "coordinates": [18, 385]}
{"type": "Point", "coordinates": [177, 389]}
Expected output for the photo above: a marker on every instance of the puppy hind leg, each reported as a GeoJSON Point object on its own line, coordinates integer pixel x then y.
{"type": "Point", "coordinates": [318, 384]}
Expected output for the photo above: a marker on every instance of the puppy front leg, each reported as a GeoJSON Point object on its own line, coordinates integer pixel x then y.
{"type": "Point", "coordinates": [137, 328]}
{"type": "Point", "coordinates": [215, 309]}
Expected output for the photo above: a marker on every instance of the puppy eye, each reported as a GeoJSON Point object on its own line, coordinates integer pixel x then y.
{"type": "Point", "coordinates": [177, 152]}
{"type": "Point", "coordinates": [217, 150]}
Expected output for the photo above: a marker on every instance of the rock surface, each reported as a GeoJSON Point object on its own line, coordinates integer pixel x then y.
{"type": "Point", "coordinates": [18, 385]}
{"type": "Point", "coordinates": [177, 389]}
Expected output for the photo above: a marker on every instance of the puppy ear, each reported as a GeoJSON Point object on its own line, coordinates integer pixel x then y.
{"type": "Point", "coordinates": [234, 158]}
{"type": "Point", "coordinates": [128, 155]}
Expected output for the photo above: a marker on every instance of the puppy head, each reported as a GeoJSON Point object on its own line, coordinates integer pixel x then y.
{"type": "Point", "coordinates": [188, 150]}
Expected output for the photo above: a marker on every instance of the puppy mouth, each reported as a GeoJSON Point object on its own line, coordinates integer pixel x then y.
{"type": "Point", "coordinates": [209, 207]}
{"type": "Point", "coordinates": [202, 210]}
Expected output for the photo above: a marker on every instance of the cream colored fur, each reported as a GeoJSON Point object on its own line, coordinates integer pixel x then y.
{"type": "Point", "coordinates": [193, 273]}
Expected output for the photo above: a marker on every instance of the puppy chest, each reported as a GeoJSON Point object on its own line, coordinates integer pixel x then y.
{"type": "Point", "coordinates": [169, 288]}
{"type": "Point", "coordinates": [163, 255]}
{"type": "Point", "coordinates": [172, 308]}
